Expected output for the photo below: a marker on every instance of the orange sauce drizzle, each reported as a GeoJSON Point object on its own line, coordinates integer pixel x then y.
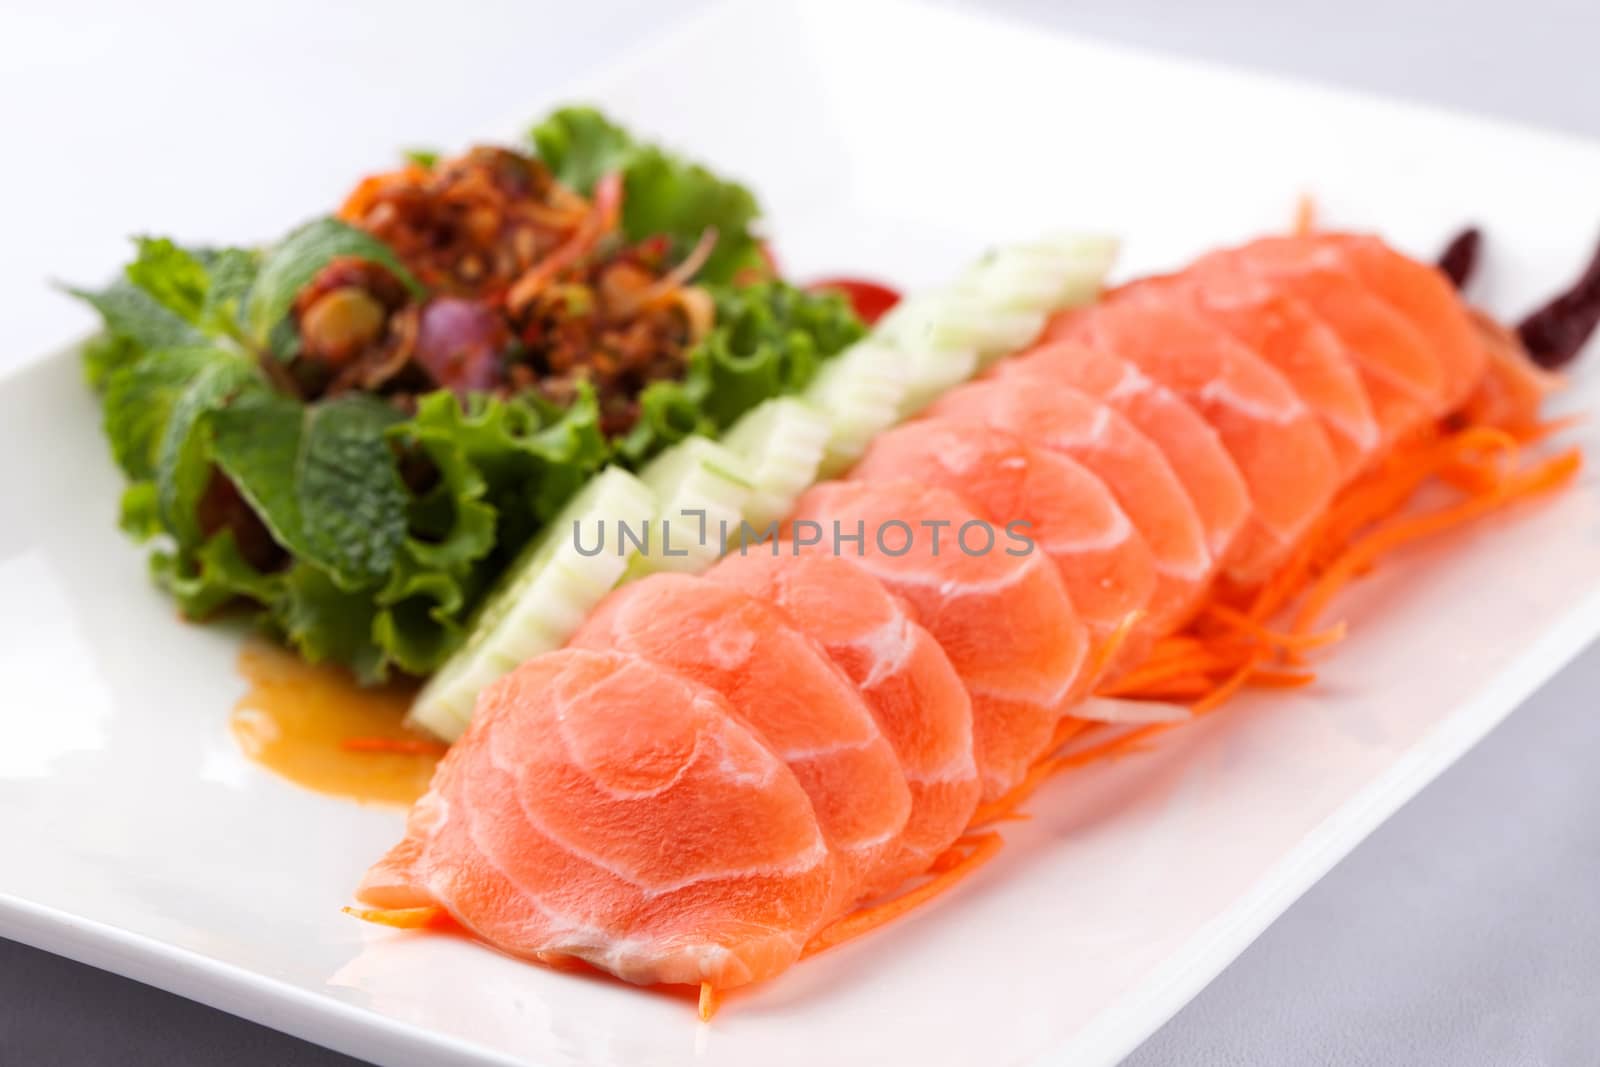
{"type": "Point", "coordinates": [315, 726]}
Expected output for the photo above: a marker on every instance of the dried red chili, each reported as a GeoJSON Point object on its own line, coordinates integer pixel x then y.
{"type": "Point", "coordinates": [1556, 332]}
{"type": "Point", "coordinates": [1459, 260]}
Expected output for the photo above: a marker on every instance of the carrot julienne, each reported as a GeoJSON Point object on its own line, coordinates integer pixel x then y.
{"type": "Point", "coordinates": [1550, 474]}
{"type": "Point", "coordinates": [955, 864]}
{"type": "Point", "coordinates": [709, 1001]}
{"type": "Point", "coordinates": [400, 918]}
{"type": "Point", "coordinates": [1305, 215]}
{"type": "Point", "coordinates": [1106, 654]}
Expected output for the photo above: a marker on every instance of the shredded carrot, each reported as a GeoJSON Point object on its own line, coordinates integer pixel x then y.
{"type": "Point", "coordinates": [403, 745]}
{"type": "Point", "coordinates": [978, 851]}
{"type": "Point", "coordinates": [1115, 746]}
{"type": "Point", "coordinates": [709, 1001]}
{"type": "Point", "coordinates": [1154, 674]}
{"type": "Point", "coordinates": [1221, 694]}
{"type": "Point", "coordinates": [1106, 655]}
{"type": "Point", "coordinates": [1270, 679]}
{"type": "Point", "coordinates": [1004, 807]}
{"type": "Point", "coordinates": [1232, 618]}
{"type": "Point", "coordinates": [1541, 431]}
{"type": "Point", "coordinates": [399, 918]}
{"type": "Point", "coordinates": [1305, 215]}
{"type": "Point", "coordinates": [1544, 476]}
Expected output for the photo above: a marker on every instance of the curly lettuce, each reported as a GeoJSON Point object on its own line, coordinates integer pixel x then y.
{"type": "Point", "coordinates": [662, 194]}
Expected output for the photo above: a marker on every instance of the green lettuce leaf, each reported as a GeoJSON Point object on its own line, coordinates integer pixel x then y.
{"type": "Point", "coordinates": [662, 194]}
{"type": "Point", "coordinates": [325, 622]}
{"type": "Point", "coordinates": [769, 340]}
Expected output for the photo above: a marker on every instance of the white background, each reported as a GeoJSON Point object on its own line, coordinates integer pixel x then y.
{"type": "Point", "coordinates": [1457, 933]}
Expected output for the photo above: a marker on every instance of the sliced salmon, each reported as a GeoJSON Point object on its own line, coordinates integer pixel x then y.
{"type": "Point", "coordinates": [901, 672]}
{"type": "Point", "coordinates": [1424, 296]}
{"type": "Point", "coordinates": [1405, 381]}
{"type": "Point", "coordinates": [1069, 513]}
{"type": "Point", "coordinates": [1086, 428]}
{"type": "Point", "coordinates": [787, 689]}
{"type": "Point", "coordinates": [530, 835]}
{"type": "Point", "coordinates": [1281, 330]}
{"type": "Point", "coordinates": [1191, 446]}
{"type": "Point", "coordinates": [1272, 436]}
{"type": "Point", "coordinates": [1003, 617]}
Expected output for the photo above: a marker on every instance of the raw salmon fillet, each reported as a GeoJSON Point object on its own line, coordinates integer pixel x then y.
{"type": "Point", "coordinates": [1268, 430]}
{"type": "Point", "coordinates": [902, 673]}
{"type": "Point", "coordinates": [1071, 515]}
{"type": "Point", "coordinates": [787, 690]}
{"type": "Point", "coordinates": [1283, 331]}
{"type": "Point", "coordinates": [1004, 620]}
{"type": "Point", "coordinates": [1404, 379]}
{"type": "Point", "coordinates": [1425, 297]}
{"type": "Point", "coordinates": [1087, 429]}
{"type": "Point", "coordinates": [534, 833]}
{"type": "Point", "coordinates": [1191, 445]}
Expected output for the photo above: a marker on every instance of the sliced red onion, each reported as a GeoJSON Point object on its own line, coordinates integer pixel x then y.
{"type": "Point", "coordinates": [459, 343]}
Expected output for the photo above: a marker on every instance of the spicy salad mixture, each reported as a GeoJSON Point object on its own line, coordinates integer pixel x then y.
{"type": "Point", "coordinates": [351, 432]}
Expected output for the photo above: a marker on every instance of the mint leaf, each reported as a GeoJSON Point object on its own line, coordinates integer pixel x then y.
{"type": "Point", "coordinates": [183, 457]}
{"type": "Point", "coordinates": [138, 403]}
{"type": "Point", "coordinates": [322, 479]}
{"type": "Point", "coordinates": [232, 273]}
{"type": "Point", "coordinates": [174, 277]}
{"type": "Point", "coordinates": [133, 316]}
{"type": "Point", "coordinates": [295, 260]}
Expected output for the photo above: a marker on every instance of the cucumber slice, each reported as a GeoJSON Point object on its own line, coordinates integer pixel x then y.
{"type": "Point", "coordinates": [931, 372]}
{"type": "Point", "coordinates": [781, 442]}
{"type": "Point", "coordinates": [1063, 272]}
{"type": "Point", "coordinates": [862, 389]}
{"type": "Point", "coordinates": [701, 489]}
{"type": "Point", "coordinates": [541, 599]}
{"type": "Point", "coordinates": [954, 320]}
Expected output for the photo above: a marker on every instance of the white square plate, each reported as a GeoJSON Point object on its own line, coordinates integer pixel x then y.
{"type": "Point", "coordinates": [890, 140]}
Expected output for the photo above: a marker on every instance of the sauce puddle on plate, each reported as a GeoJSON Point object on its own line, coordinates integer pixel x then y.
{"type": "Point", "coordinates": [316, 727]}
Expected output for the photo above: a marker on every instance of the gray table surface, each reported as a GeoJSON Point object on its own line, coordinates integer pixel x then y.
{"type": "Point", "coordinates": [1464, 931]}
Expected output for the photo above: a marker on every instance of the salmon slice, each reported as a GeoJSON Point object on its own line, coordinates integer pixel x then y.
{"type": "Point", "coordinates": [901, 672]}
{"type": "Point", "coordinates": [787, 689]}
{"type": "Point", "coordinates": [1070, 514]}
{"type": "Point", "coordinates": [1281, 330]}
{"type": "Point", "coordinates": [1405, 381]}
{"type": "Point", "coordinates": [1267, 429]}
{"type": "Point", "coordinates": [1003, 619]}
{"type": "Point", "coordinates": [605, 809]}
{"type": "Point", "coordinates": [1065, 420]}
{"type": "Point", "coordinates": [1421, 293]}
{"type": "Point", "coordinates": [1192, 447]}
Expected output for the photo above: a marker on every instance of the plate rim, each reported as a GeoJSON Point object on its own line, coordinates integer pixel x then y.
{"type": "Point", "coordinates": [1133, 1017]}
